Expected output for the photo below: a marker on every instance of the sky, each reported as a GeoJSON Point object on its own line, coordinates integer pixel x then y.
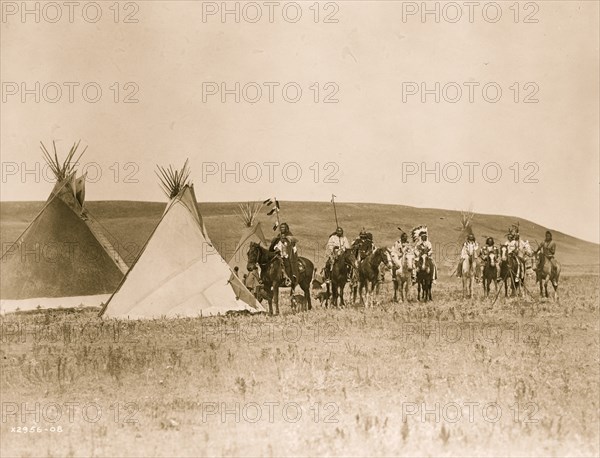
{"type": "Point", "coordinates": [370, 101]}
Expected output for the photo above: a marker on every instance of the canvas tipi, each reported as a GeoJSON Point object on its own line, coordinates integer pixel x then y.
{"type": "Point", "coordinates": [178, 273]}
{"type": "Point", "coordinates": [64, 258]}
{"type": "Point", "coordinates": [252, 233]}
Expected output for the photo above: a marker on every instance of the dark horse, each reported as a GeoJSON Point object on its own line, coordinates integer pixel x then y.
{"type": "Point", "coordinates": [490, 273]}
{"type": "Point", "coordinates": [342, 267]}
{"type": "Point", "coordinates": [272, 271]}
{"type": "Point", "coordinates": [424, 278]}
{"type": "Point", "coordinates": [509, 268]}
{"type": "Point", "coordinates": [361, 248]}
{"type": "Point", "coordinates": [368, 273]}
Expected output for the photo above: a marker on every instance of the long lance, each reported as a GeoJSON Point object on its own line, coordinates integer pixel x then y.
{"type": "Point", "coordinates": [334, 211]}
{"type": "Point", "coordinates": [277, 216]}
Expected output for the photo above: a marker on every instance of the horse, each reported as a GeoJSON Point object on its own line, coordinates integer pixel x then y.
{"type": "Point", "coordinates": [545, 273]}
{"type": "Point", "coordinates": [469, 267]}
{"type": "Point", "coordinates": [368, 273]}
{"type": "Point", "coordinates": [424, 278]}
{"type": "Point", "coordinates": [403, 275]}
{"type": "Point", "coordinates": [508, 271]}
{"type": "Point", "coordinates": [344, 264]}
{"type": "Point", "coordinates": [272, 270]}
{"type": "Point", "coordinates": [490, 273]}
{"type": "Point", "coordinates": [361, 248]}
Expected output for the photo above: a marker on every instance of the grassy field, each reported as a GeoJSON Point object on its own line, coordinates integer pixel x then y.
{"type": "Point", "coordinates": [449, 378]}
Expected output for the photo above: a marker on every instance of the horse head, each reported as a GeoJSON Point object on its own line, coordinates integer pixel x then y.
{"type": "Point", "coordinates": [504, 253]}
{"type": "Point", "coordinates": [388, 257]}
{"type": "Point", "coordinates": [491, 259]}
{"type": "Point", "coordinates": [351, 259]}
{"type": "Point", "coordinates": [254, 254]}
{"type": "Point", "coordinates": [408, 260]}
{"type": "Point", "coordinates": [526, 247]}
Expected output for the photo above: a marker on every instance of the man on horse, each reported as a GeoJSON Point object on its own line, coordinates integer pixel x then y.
{"type": "Point", "coordinates": [515, 249]}
{"type": "Point", "coordinates": [424, 247]}
{"type": "Point", "coordinates": [488, 249]}
{"type": "Point", "coordinates": [470, 246]}
{"type": "Point", "coordinates": [285, 244]}
{"type": "Point", "coordinates": [336, 245]}
{"type": "Point", "coordinates": [363, 244]}
{"type": "Point", "coordinates": [399, 248]}
{"type": "Point", "coordinates": [548, 250]}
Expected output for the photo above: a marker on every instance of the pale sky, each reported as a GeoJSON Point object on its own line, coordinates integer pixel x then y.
{"type": "Point", "coordinates": [374, 133]}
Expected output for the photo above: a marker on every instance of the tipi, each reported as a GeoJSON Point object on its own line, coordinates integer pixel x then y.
{"type": "Point", "coordinates": [64, 257]}
{"type": "Point", "coordinates": [178, 272]}
{"type": "Point", "coordinates": [252, 233]}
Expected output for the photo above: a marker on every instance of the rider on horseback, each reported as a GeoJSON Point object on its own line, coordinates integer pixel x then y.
{"type": "Point", "coordinates": [548, 250]}
{"type": "Point", "coordinates": [489, 248]}
{"type": "Point", "coordinates": [336, 245]}
{"type": "Point", "coordinates": [470, 246]}
{"type": "Point", "coordinates": [424, 247]}
{"type": "Point", "coordinates": [515, 249]}
{"type": "Point", "coordinates": [363, 244]}
{"type": "Point", "coordinates": [399, 248]}
{"type": "Point", "coordinates": [285, 244]}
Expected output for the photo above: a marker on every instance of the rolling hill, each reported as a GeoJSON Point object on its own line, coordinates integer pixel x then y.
{"type": "Point", "coordinates": [131, 223]}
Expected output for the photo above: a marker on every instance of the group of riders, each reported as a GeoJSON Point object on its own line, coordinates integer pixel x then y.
{"type": "Point", "coordinates": [286, 246]}
{"type": "Point", "coordinates": [514, 248]}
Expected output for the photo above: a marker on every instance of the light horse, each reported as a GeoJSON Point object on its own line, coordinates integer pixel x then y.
{"type": "Point", "coordinates": [368, 273]}
{"type": "Point", "coordinates": [343, 266]}
{"type": "Point", "coordinates": [424, 278]}
{"type": "Point", "coordinates": [469, 268]}
{"type": "Point", "coordinates": [490, 273]}
{"type": "Point", "coordinates": [403, 275]}
{"type": "Point", "coordinates": [545, 274]}
{"type": "Point", "coordinates": [272, 270]}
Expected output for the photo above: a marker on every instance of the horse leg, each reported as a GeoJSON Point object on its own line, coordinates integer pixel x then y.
{"type": "Point", "coordinates": [333, 293]}
{"type": "Point", "coordinates": [395, 281]}
{"type": "Point", "coordinates": [308, 299]}
{"type": "Point", "coordinates": [276, 297]}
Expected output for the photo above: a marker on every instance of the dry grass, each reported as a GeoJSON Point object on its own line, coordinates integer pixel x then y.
{"type": "Point", "coordinates": [352, 373]}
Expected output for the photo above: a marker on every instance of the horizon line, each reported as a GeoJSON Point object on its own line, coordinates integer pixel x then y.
{"type": "Point", "coordinates": [326, 202]}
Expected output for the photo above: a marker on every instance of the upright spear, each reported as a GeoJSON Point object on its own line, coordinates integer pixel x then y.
{"type": "Point", "coordinates": [334, 211]}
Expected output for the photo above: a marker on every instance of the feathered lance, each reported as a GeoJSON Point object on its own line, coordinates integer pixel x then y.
{"type": "Point", "coordinates": [275, 210]}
